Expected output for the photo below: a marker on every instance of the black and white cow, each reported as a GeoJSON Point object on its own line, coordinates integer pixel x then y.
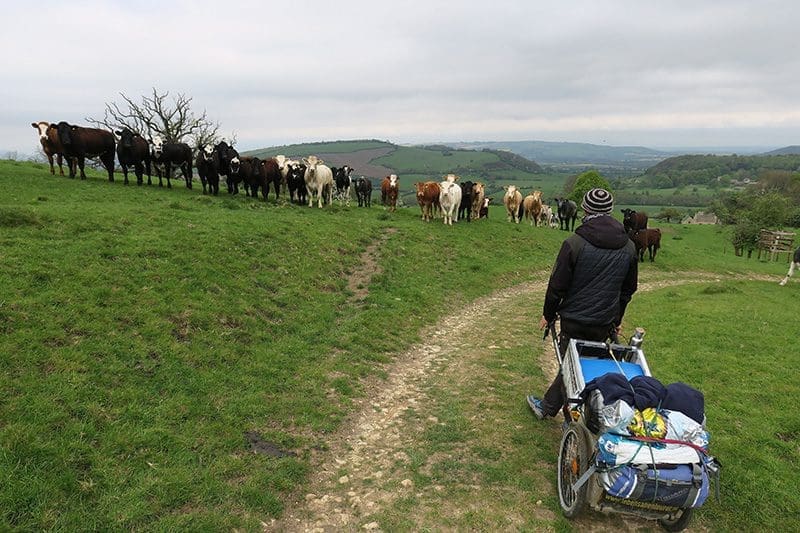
{"type": "Point", "coordinates": [295, 181]}
{"type": "Point", "coordinates": [207, 164]}
{"type": "Point", "coordinates": [169, 154]}
{"type": "Point", "coordinates": [795, 264]}
{"type": "Point", "coordinates": [341, 177]}
{"type": "Point", "coordinates": [229, 165]}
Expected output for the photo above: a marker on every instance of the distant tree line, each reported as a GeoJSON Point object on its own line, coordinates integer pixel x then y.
{"type": "Point", "coordinates": [716, 170]}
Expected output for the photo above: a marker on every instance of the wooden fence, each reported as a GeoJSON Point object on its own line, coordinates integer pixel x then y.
{"type": "Point", "coordinates": [774, 243]}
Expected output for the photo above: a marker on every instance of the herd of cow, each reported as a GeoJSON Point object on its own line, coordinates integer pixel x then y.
{"type": "Point", "coordinates": [307, 180]}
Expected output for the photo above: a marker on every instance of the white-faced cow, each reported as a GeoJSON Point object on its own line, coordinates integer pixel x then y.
{"type": "Point", "coordinates": [207, 164]}
{"type": "Point", "coordinates": [484, 211]}
{"type": "Point", "coordinates": [295, 180]}
{"type": "Point", "coordinates": [169, 154]}
{"type": "Point", "coordinates": [364, 192]}
{"type": "Point", "coordinates": [512, 199]}
{"type": "Point", "coordinates": [79, 143]}
{"type": "Point", "coordinates": [51, 146]}
{"type": "Point", "coordinates": [449, 200]}
{"type": "Point", "coordinates": [133, 150]}
{"type": "Point", "coordinates": [390, 191]}
{"type": "Point", "coordinates": [319, 181]}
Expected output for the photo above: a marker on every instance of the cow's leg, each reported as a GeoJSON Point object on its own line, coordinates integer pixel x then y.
{"type": "Point", "coordinates": [792, 266]}
{"type": "Point", "coordinates": [188, 174]}
{"type": "Point", "coordinates": [81, 163]}
{"type": "Point", "coordinates": [168, 172]}
{"type": "Point", "coordinates": [108, 162]}
{"type": "Point", "coordinates": [50, 160]}
{"type": "Point", "coordinates": [124, 173]}
{"type": "Point", "coordinates": [138, 168]}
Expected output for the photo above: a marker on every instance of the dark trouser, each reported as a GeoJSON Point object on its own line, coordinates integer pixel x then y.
{"type": "Point", "coordinates": [554, 398]}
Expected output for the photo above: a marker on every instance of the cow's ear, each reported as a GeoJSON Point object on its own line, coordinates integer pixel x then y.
{"type": "Point", "coordinates": [35, 125]}
{"type": "Point", "coordinates": [118, 133]}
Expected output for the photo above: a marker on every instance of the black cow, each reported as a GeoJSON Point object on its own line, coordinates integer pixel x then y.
{"type": "Point", "coordinates": [229, 166]}
{"type": "Point", "coordinates": [207, 164]}
{"type": "Point", "coordinates": [364, 192]}
{"type": "Point", "coordinates": [250, 175]}
{"type": "Point", "coordinates": [133, 150]}
{"type": "Point", "coordinates": [567, 213]}
{"type": "Point", "coordinates": [168, 154]}
{"type": "Point", "coordinates": [80, 143]}
{"type": "Point", "coordinates": [343, 182]}
{"type": "Point", "coordinates": [467, 194]}
{"type": "Point", "coordinates": [633, 220]}
{"type": "Point", "coordinates": [296, 182]}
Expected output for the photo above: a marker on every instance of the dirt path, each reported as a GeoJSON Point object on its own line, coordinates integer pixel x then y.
{"type": "Point", "coordinates": [365, 468]}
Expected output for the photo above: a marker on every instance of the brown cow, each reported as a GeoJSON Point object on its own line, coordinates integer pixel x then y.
{"type": "Point", "coordinates": [428, 198]}
{"type": "Point", "coordinates": [269, 172]}
{"type": "Point", "coordinates": [51, 146]}
{"type": "Point", "coordinates": [532, 207]}
{"type": "Point", "coordinates": [512, 200]}
{"type": "Point", "coordinates": [646, 239]}
{"type": "Point", "coordinates": [634, 220]}
{"type": "Point", "coordinates": [478, 194]}
{"type": "Point", "coordinates": [80, 143]}
{"type": "Point", "coordinates": [389, 191]}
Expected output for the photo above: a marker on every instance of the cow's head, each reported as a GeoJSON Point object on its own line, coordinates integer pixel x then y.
{"type": "Point", "coordinates": [452, 178]}
{"type": "Point", "coordinates": [510, 189]}
{"type": "Point", "coordinates": [282, 161]}
{"type": "Point", "coordinates": [393, 179]}
{"type": "Point", "coordinates": [235, 164]}
{"type": "Point", "coordinates": [311, 162]}
{"type": "Point", "coordinates": [207, 152]}
{"type": "Point", "coordinates": [65, 132]}
{"type": "Point", "coordinates": [126, 137]}
{"type": "Point", "coordinates": [157, 143]}
{"type": "Point", "coordinates": [42, 128]}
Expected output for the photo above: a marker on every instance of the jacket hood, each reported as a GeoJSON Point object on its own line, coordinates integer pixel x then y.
{"type": "Point", "coordinates": [603, 231]}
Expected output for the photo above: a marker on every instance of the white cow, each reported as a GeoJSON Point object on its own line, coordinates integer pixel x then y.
{"type": "Point", "coordinates": [547, 218]}
{"type": "Point", "coordinates": [449, 200]}
{"type": "Point", "coordinates": [319, 180]}
{"type": "Point", "coordinates": [512, 200]}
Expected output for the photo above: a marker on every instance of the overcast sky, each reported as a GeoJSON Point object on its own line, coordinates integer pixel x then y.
{"type": "Point", "coordinates": [658, 74]}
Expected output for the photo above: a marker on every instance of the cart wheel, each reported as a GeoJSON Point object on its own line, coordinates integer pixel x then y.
{"type": "Point", "coordinates": [573, 460]}
{"type": "Point", "coordinates": [678, 524]}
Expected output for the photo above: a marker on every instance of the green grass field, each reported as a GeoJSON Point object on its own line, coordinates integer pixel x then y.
{"type": "Point", "coordinates": [146, 332]}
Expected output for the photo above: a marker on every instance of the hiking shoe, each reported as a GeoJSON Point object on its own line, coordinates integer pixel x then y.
{"type": "Point", "coordinates": [536, 406]}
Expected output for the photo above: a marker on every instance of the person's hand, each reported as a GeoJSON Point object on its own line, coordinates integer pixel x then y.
{"type": "Point", "coordinates": [543, 323]}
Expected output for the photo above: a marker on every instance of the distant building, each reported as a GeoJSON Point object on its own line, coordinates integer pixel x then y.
{"type": "Point", "coordinates": [701, 218]}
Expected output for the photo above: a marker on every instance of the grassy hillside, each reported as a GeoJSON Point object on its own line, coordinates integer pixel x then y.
{"type": "Point", "coordinates": [172, 361]}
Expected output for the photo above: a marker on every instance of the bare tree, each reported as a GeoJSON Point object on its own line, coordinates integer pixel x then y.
{"type": "Point", "coordinates": [173, 118]}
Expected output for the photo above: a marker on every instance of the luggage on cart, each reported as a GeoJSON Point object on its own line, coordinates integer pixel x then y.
{"type": "Point", "coordinates": [619, 454]}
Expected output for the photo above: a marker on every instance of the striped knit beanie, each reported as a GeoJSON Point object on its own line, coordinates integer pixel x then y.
{"type": "Point", "coordinates": [597, 201]}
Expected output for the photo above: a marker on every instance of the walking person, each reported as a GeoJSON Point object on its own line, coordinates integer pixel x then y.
{"type": "Point", "coordinates": [594, 277]}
